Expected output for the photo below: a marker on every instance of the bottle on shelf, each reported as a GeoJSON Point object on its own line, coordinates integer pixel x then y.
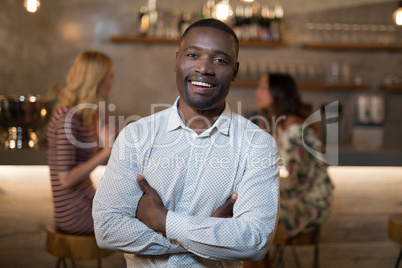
{"type": "Point", "coordinates": [276, 24]}
{"type": "Point", "coordinates": [153, 17]}
{"type": "Point", "coordinates": [207, 8]}
{"type": "Point", "coordinates": [184, 23]}
{"type": "Point", "coordinates": [239, 20]}
{"type": "Point", "coordinates": [264, 23]}
{"type": "Point", "coordinates": [251, 22]}
{"type": "Point", "coordinates": [173, 21]}
{"type": "Point", "coordinates": [147, 19]}
{"type": "Point", "coordinates": [143, 21]}
{"type": "Point", "coordinates": [254, 21]}
{"type": "Point", "coordinates": [245, 30]}
{"type": "Point", "coordinates": [258, 22]}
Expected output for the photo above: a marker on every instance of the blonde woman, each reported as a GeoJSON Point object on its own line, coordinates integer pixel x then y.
{"type": "Point", "coordinates": [77, 142]}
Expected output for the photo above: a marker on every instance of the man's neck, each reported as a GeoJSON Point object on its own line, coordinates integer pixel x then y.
{"type": "Point", "coordinates": [198, 120]}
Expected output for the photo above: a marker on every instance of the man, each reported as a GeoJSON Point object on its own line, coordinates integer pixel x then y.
{"type": "Point", "coordinates": [160, 200]}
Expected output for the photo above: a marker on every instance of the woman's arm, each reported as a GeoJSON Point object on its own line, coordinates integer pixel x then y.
{"type": "Point", "coordinates": [81, 172]}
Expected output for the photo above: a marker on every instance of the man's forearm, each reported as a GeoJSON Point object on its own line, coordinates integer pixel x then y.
{"type": "Point", "coordinates": [113, 218]}
{"type": "Point", "coordinates": [151, 210]}
{"type": "Point", "coordinates": [221, 238]}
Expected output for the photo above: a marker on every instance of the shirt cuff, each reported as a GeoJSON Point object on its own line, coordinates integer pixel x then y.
{"type": "Point", "coordinates": [177, 226]}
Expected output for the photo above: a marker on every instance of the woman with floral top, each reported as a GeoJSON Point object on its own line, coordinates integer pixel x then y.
{"type": "Point", "coordinates": [306, 193]}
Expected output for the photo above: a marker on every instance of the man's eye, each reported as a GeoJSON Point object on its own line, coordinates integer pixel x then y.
{"type": "Point", "coordinates": [220, 61]}
{"type": "Point", "coordinates": [191, 55]}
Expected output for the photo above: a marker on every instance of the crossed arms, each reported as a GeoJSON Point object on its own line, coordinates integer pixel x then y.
{"type": "Point", "coordinates": [152, 212]}
{"type": "Point", "coordinates": [131, 216]}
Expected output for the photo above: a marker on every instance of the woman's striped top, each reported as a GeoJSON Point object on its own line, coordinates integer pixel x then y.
{"type": "Point", "coordinates": [73, 206]}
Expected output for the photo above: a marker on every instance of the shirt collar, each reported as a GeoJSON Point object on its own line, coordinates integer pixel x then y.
{"type": "Point", "coordinates": [222, 124]}
{"type": "Point", "coordinates": [175, 121]}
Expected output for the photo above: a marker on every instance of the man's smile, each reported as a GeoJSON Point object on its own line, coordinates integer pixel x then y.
{"type": "Point", "coordinates": [201, 87]}
{"type": "Point", "coordinates": [201, 84]}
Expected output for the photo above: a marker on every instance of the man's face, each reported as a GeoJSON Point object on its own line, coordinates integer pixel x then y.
{"type": "Point", "coordinates": [205, 66]}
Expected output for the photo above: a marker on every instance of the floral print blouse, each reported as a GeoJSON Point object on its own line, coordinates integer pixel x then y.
{"type": "Point", "coordinates": [306, 194]}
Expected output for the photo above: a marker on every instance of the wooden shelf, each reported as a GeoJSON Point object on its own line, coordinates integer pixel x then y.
{"type": "Point", "coordinates": [392, 89]}
{"type": "Point", "coordinates": [243, 43]}
{"type": "Point", "coordinates": [307, 86]}
{"type": "Point", "coordinates": [245, 84]}
{"type": "Point", "coordinates": [144, 40]}
{"type": "Point", "coordinates": [156, 40]}
{"type": "Point", "coordinates": [335, 87]}
{"type": "Point", "coordinates": [360, 47]}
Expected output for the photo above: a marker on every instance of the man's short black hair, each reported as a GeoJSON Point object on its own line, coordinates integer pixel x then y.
{"type": "Point", "coordinates": [214, 23]}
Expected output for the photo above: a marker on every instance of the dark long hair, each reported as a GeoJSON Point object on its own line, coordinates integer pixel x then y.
{"type": "Point", "coordinates": [285, 95]}
{"type": "Point", "coordinates": [286, 101]}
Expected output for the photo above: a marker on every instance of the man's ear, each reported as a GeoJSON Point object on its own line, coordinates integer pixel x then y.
{"type": "Point", "coordinates": [177, 58]}
{"type": "Point", "coordinates": [235, 71]}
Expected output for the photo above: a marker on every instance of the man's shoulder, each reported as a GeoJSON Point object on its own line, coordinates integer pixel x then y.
{"type": "Point", "coordinates": [252, 133]}
{"type": "Point", "coordinates": [144, 128]}
{"type": "Point", "coordinates": [241, 122]}
{"type": "Point", "coordinates": [147, 120]}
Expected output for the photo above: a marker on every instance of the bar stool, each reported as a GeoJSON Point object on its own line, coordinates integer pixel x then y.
{"type": "Point", "coordinates": [309, 238]}
{"type": "Point", "coordinates": [395, 232]}
{"type": "Point", "coordinates": [73, 247]}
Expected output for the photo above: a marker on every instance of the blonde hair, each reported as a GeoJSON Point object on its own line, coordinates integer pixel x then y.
{"type": "Point", "coordinates": [83, 81]}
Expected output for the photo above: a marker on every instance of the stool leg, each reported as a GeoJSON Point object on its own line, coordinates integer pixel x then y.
{"type": "Point", "coordinates": [277, 256]}
{"type": "Point", "coordinates": [399, 259]}
{"type": "Point", "coordinates": [295, 256]}
{"type": "Point", "coordinates": [315, 265]}
{"type": "Point", "coordinates": [282, 251]}
{"type": "Point", "coordinates": [73, 263]}
{"type": "Point", "coordinates": [61, 260]}
{"type": "Point", "coordinates": [275, 253]}
{"type": "Point", "coordinates": [99, 263]}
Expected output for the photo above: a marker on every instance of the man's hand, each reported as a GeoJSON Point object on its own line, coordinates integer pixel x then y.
{"type": "Point", "coordinates": [150, 209]}
{"type": "Point", "coordinates": [226, 210]}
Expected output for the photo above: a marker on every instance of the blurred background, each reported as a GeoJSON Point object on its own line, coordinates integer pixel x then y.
{"type": "Point", "coordinates": [336, 50]}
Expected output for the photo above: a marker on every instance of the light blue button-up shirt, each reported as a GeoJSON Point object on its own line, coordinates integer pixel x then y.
{"type": "Point", "coordinates": [194, 175]}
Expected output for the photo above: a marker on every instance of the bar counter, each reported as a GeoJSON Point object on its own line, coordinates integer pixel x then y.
{"type": "Point", "coordinates": [348, 156]}
{"type": "Point", "coordinates": [355, 235]}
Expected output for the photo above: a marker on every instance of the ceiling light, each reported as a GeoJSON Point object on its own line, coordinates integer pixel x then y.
{"type": "Point", "coordinates": [32, 5]}
{"type": "Point", "coordinates": [397, 16]}
{"type": "Point", "coordinates": [222, 11]}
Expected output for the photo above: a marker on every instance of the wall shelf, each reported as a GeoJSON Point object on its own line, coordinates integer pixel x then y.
{"type": "Point", "coordinates": [156, 40]}
{"type": "Point", "coordinates": [307, 86]}
{"type": "Point", "coordinates": [360, 47]}
{"type": "Point", "coordinates": [262, 44]}
{"type": "Point", "coordinates": [143, 40]}
{"type": "Point", "coordinates": [392, 89]}
{"type": "Point", "coordinates": [328, 87]}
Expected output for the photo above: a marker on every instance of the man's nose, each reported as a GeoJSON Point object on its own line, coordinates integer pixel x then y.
{"type": "Point", "coordinates": [205, 66]}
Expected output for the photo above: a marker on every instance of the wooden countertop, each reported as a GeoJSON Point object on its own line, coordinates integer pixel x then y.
{"type": "Point", "coordinates": [348, 156]}
{"type": "Point", "coordinates": [354, 236]}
